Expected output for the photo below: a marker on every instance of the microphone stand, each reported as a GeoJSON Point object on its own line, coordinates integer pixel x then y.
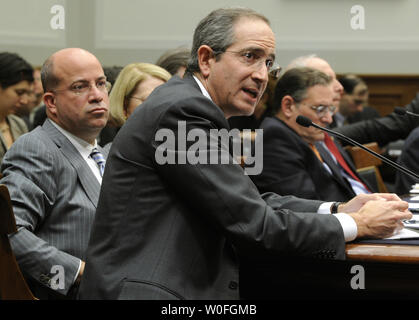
{"type": "Point", "coordinates": [353, 142]}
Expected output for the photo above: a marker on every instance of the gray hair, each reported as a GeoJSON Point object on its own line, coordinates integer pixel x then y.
{"type": "Point", "coordinates": [217, 31]}
{"type": "Point", "coordinates": [174, 59]}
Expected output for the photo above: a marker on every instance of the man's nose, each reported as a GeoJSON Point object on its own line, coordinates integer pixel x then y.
{"type": "Point", "coordinates": [260, 72]}
{"type": "Point", "coordinates": [338, 87]}
{"type": "Point", "coordinates": [95, 94]}
{"type": "Point", "coordinates": [327, 118]}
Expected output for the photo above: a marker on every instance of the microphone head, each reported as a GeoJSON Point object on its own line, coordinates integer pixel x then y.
{"type": "Point", "coordinates": [400, 111]}
{"type": "Point", "coordinates": [304, 121]}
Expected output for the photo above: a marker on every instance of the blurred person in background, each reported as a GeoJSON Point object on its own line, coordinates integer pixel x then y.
{"type": "Point", "coordinates": [132, 87]}
{"type": "Point", "coordinates": [354, 102]}
{"type": "Point", "coordinates": [16, 81]}
{"type": "Point", "coordinates": [175, 61]}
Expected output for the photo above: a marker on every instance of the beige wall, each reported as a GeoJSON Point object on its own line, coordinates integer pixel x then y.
{"type": "Point", "coordinates": [124, 31]}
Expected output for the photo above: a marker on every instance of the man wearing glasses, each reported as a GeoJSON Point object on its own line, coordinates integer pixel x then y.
{"type": "Point", "coordinates": [173, 231]}
{"type": "Point", "coordinates": [302, 161]}
{"type": "Point", "coordinates": [54, 175]}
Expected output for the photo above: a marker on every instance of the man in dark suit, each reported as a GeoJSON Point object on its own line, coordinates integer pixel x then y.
{"type": "Point", "coordinates": [53, 177]}
{"type": "Point", "coordinates": [296, 160]}
{"type": "Point", "coordinates": [382, 130]}
{"type": "Point", "coordinates": [169, 221]}
{"type": "Point", "coordinates": [353, 106]}
{"type": "Point", "coordinates": [408, 159]}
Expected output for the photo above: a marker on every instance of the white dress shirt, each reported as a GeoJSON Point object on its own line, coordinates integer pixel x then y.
{"type": "Point", "coordinates": [348, 224]}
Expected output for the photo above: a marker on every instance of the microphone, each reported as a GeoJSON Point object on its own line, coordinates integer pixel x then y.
{"type": "Point", "coordinates": [402, 111]}
{"type": "Point", "coordinates": [306, 122]}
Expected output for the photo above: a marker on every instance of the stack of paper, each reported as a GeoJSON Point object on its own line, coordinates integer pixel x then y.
{"type": "Point", "coordinates": [405, 233]}
{"type": "Point", "coordinates": [415, 188]}
{"type": "Point", "coordinates": [411, 229]}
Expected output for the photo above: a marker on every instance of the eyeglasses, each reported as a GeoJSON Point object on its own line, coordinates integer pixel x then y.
{"type": "Point", "coordinates": [82, 88]}
{"type": "Point", "coordinates": [255, 59]}
{"type": "Point", "coordinates": [322, 110]}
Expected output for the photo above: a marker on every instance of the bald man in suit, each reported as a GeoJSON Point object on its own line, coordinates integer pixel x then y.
{"type": "Point", "coordinates": [52, 177]}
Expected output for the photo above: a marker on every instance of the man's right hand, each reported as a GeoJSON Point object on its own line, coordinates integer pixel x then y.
{"type": "Point", "coordinates": [380, 218]}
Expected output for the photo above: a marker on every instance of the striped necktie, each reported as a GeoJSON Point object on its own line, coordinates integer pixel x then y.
{"type": "Point", "coordinates": [99, 159]}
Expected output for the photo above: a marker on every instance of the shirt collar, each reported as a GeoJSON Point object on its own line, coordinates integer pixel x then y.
{"type": "Point", "coordinates": [83, 147]}
{"type": "Point", "coordinates": [203, 90]}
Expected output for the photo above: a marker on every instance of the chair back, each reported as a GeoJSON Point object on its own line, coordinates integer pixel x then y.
{"type": "Point", "coordinates": [12, 283]}
{"type": "Point", "coordinates": [362, 158]}
{"type": "Point", "coordinates": [373, 177]}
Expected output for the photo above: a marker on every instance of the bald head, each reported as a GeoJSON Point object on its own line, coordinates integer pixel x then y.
{"type": "Point", "coordinates": [58, 62]}
{"type": "Point", "coordinates": [322, 65]}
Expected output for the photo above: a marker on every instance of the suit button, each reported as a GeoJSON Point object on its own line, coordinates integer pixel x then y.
{"type": "Point", "coordinates": [44, 279]}
{"type": "Point", "coordinates": [233, 285]}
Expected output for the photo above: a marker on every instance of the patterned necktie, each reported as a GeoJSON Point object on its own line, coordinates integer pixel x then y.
{"type": "Point", "coordinates": [99, 159]}
{"type": "Point", "coordinates": [335, 151]}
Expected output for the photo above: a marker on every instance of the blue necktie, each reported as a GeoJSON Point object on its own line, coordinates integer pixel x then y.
{"type": "Point", "coordinates": [99, 159]}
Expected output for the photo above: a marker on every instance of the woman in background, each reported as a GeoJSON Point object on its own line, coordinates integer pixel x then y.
{"type": "Point", "coordinates": [134, 84]}
{"type": "Point", "coordinates": [16, 79]}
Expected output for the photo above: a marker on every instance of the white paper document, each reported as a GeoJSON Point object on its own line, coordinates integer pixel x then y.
{"type": "Point", "coordinates": [405, 233]}
{"type": "Point", "coordinates": [413, 205]}
{"type": "Point", "coordinates": [415, 188]}
{"type": "Point", "coordinates": [412, 223]}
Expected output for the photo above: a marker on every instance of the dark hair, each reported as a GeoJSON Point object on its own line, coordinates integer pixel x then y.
{"type": "Point", "coordinates": [174, 59]}
{"type": "Point", "coordinates": [48, 78]}
{"type": "Point", "coordinates": [14, 69]}
{"type": "Point", "coordinates": [295, 83]}
{"type": "Point", "coordinates": [349, 82]}
{"type": "Point", "coordinates": [216, 30]}
{"type": "Point", "coordinates": [112, 73]}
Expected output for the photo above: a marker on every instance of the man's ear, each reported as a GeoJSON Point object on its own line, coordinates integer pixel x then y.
{"type": "Point", "coordinates": [205, 58]}
{"type": "Point", "coordinates": [50, 102]}
{"type": "Point", "coordinates": [287, 106]}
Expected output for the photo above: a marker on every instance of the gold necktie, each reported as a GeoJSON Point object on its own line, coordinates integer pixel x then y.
{"type": "Point", "coordinates": [316, 152]}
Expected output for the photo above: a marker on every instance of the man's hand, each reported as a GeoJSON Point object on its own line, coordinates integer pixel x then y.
{"type": "Point", "coordinates": [381, 218]}
{"type": "Point", "coordinates": [356, 203]}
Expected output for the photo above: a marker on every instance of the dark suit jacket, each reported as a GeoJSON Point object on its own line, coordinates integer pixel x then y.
{"type": "Point", "coordinates": [291, 167]}
{"type": "Point", "coordinates": [54, 196]}
{"type": "Point", "coordinates": [410, 160]}
{"type": "Point", "coordinates": [367, 113]}
{"type": "Point", "coordinates": [171, 231]}
{"type": "Point", "coordinates": [385, 129]}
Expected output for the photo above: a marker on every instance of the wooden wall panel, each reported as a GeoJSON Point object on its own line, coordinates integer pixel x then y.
{"type": "Point", "coordinates": [389, 91]}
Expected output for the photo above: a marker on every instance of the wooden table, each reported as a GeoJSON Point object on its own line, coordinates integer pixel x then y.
{"type": "Point", "coordinates": [383, 253]}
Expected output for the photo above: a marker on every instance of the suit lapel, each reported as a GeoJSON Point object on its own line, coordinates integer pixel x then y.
{"type": "Point", "coordinates": [86, 177]}
{"type": "Point", "coordinates": [336, 173]}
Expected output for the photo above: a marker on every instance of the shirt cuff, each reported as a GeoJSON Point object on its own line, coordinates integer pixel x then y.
{"type": "Point", "coordinates": [350, 230]}
{"type": "Point", "coordinates": [325, 208]}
